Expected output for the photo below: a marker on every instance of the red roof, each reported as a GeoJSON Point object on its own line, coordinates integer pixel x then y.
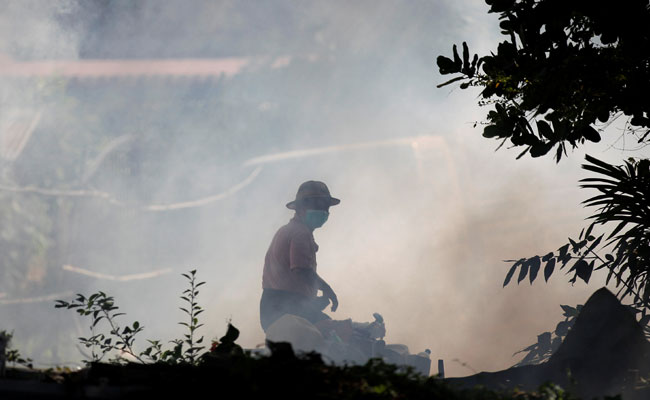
{"type": "Point", "coordinates": [112, 68]}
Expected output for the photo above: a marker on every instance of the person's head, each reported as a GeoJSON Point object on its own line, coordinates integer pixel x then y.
{"type": "Point", "coordinates": [312, 203]}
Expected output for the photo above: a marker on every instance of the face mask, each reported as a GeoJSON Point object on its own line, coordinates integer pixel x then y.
{"type": "Point", "coordinates": [315, 218]}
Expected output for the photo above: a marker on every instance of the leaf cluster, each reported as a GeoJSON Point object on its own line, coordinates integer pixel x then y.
{"type": "Point", "coordinates": [307, 376]}
{"type": "Point", "coordinates": [623, 198]}
{"type": "Point", "coordinates": [548, 342]}
{"type": "Point", "coordinates": [564, 67]}
{"type": "Point", "coordinates": [99, 306]}
{"type": "Point", "coordinates": [13, 355]}
{"type": "Point", "coordinates": [192, 310]}
{"type": "Point", "coordinates": [120, 340]}
{"type": "Point", "coordinates": [577, 252]}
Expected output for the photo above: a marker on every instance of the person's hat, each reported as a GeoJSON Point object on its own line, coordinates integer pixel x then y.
{"type": "Point", "coordinates": [312, 189]}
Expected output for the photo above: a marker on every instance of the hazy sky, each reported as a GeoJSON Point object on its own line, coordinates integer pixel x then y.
{"type": "Point", "coordinates": [343, 92]}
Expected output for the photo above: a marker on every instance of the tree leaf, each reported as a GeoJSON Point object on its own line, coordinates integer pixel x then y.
{"type": "Point", "coordinates": [545, 130]}
{"type": "Point", "coordinates": [583, 269]}
{"type": "Point", "coordinates": [568, 311]}
{"type": "Point", "coordinates": [491, 131]}
{"type": "Point", "coordinates": [548, 270]}
{"type": "Point", "coordinates": [523, 272]}
{"type": "Point", "coordinates": [544, 340]}
{"type": "Point", "coordinates": [590, 134]}
{"type": "Point", "coordinates": [534, 265]}
{"type": "Point", "coordinates": [511, 272]}
{"type": "Point", "coordinates": [562, 328]}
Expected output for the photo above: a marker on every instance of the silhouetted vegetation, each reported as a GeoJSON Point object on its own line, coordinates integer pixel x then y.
{"type": "Point", "coordinates": [282, 374]}
{"type": "Point", "coordinates": [226, 367]}
{"type": "Point", "coordinates": [564, 67]}
{"type": "Point", "coordinates": [120, 341]}
{"type": "Point", "coordinates": [566, 71]}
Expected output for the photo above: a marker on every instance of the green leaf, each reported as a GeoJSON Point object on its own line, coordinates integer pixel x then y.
{"type": "Point", "coordinates": [589, 229]}
{"type": "Point", "coordinates": [547, 257]}
{"type": "Point", "coordinates": [96, 321]}
{"type": "Point", "coordinates": [583, 269]}
{"type": "Point", "coordinates": [544, 340]}
{"type": "Point", "coordinates": [491, 131]}
{"type": "Point", "coordinates": [568, 311]}
{"type": "Point", "coordinates": [511, 272]}
{"type": "Point", "coordinates": [548, 270]}
{"type": "Point", "coordinates": [545, 130]}
{"type": "Point", "coordinates": [523, 271]}
{"type": "Point", "coordinates": [563, 250]}
{"type": "Point", "coordinates": [500, 6]}
{"type": "Point", "coordinates": [590, 134]}
{"type": "Point", "coordinates": [534, 265]}
{"type": "Point", "coordinates": [594, 244]}
{"type": "Point", "coordinates": [540, 149]}
{"type": "Point", "coordinates": [562, 328]}
{"type": "Point", "coordinates": [458, 63]}
{"type": "Point", "coordinates": [456, 79]}
{"type": "Point", "coordinates": [617, 229]}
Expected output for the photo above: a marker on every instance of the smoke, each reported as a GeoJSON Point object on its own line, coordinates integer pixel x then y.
{"type": "Point", "coordinates": [134, 172]}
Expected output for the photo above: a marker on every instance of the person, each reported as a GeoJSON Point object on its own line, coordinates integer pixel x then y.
{"type": "Point", "coordinates": [290, 282]}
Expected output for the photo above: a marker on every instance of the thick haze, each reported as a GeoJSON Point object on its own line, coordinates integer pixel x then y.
{"type": "Point", "coordinates": [195, 171]}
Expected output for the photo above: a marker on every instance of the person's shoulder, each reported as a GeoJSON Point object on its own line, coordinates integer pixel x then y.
{"type": "Point", "coordinates": [296, 228]}
{"type": "Point", "coordinates": [292, 228]}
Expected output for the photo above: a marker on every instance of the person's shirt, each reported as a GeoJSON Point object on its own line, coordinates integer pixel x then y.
{"type": "Point", "coordinates": [292, 247]}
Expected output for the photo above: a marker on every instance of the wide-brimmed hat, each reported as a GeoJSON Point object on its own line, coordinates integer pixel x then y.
{"type": "Point", "coordinates": [312, 189]}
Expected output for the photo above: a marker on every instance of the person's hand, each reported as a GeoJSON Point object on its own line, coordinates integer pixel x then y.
{"type": "Point", "coordinates": [321, 302]}
{"type": "Point", "coordinates": [329, 294]}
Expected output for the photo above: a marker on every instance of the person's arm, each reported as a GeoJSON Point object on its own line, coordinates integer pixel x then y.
{"type": "Point", "coordinates": [327, 292]}
{"type": "Point", "coordinates": [302, 260]}
{"type": "Point", "coordinates": [311, 276]}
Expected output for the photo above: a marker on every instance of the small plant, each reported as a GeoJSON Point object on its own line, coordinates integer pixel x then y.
{"type": "Point", "coordinates": [547, 342]}
{"type": "Point", "coordinates": [12, 355]}
{"type": "Point", "coordinates": [100, 306]}
{"type": "Point", "coordinates": [176, 355]}
{"type": "Point", "coordinates": [189, 296]}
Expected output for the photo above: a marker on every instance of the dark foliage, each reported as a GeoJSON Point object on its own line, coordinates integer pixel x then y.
{"type": "Point", "coordinates": [227, 370]}
{"type": "Point", "coordinates": [623, 199]}
{"type": "Point", "coordinates": [548, 342]}
{"type": "Point", "coordinates": [564, 67]}
{"type": "Point", "coordinates": [119, 341]}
